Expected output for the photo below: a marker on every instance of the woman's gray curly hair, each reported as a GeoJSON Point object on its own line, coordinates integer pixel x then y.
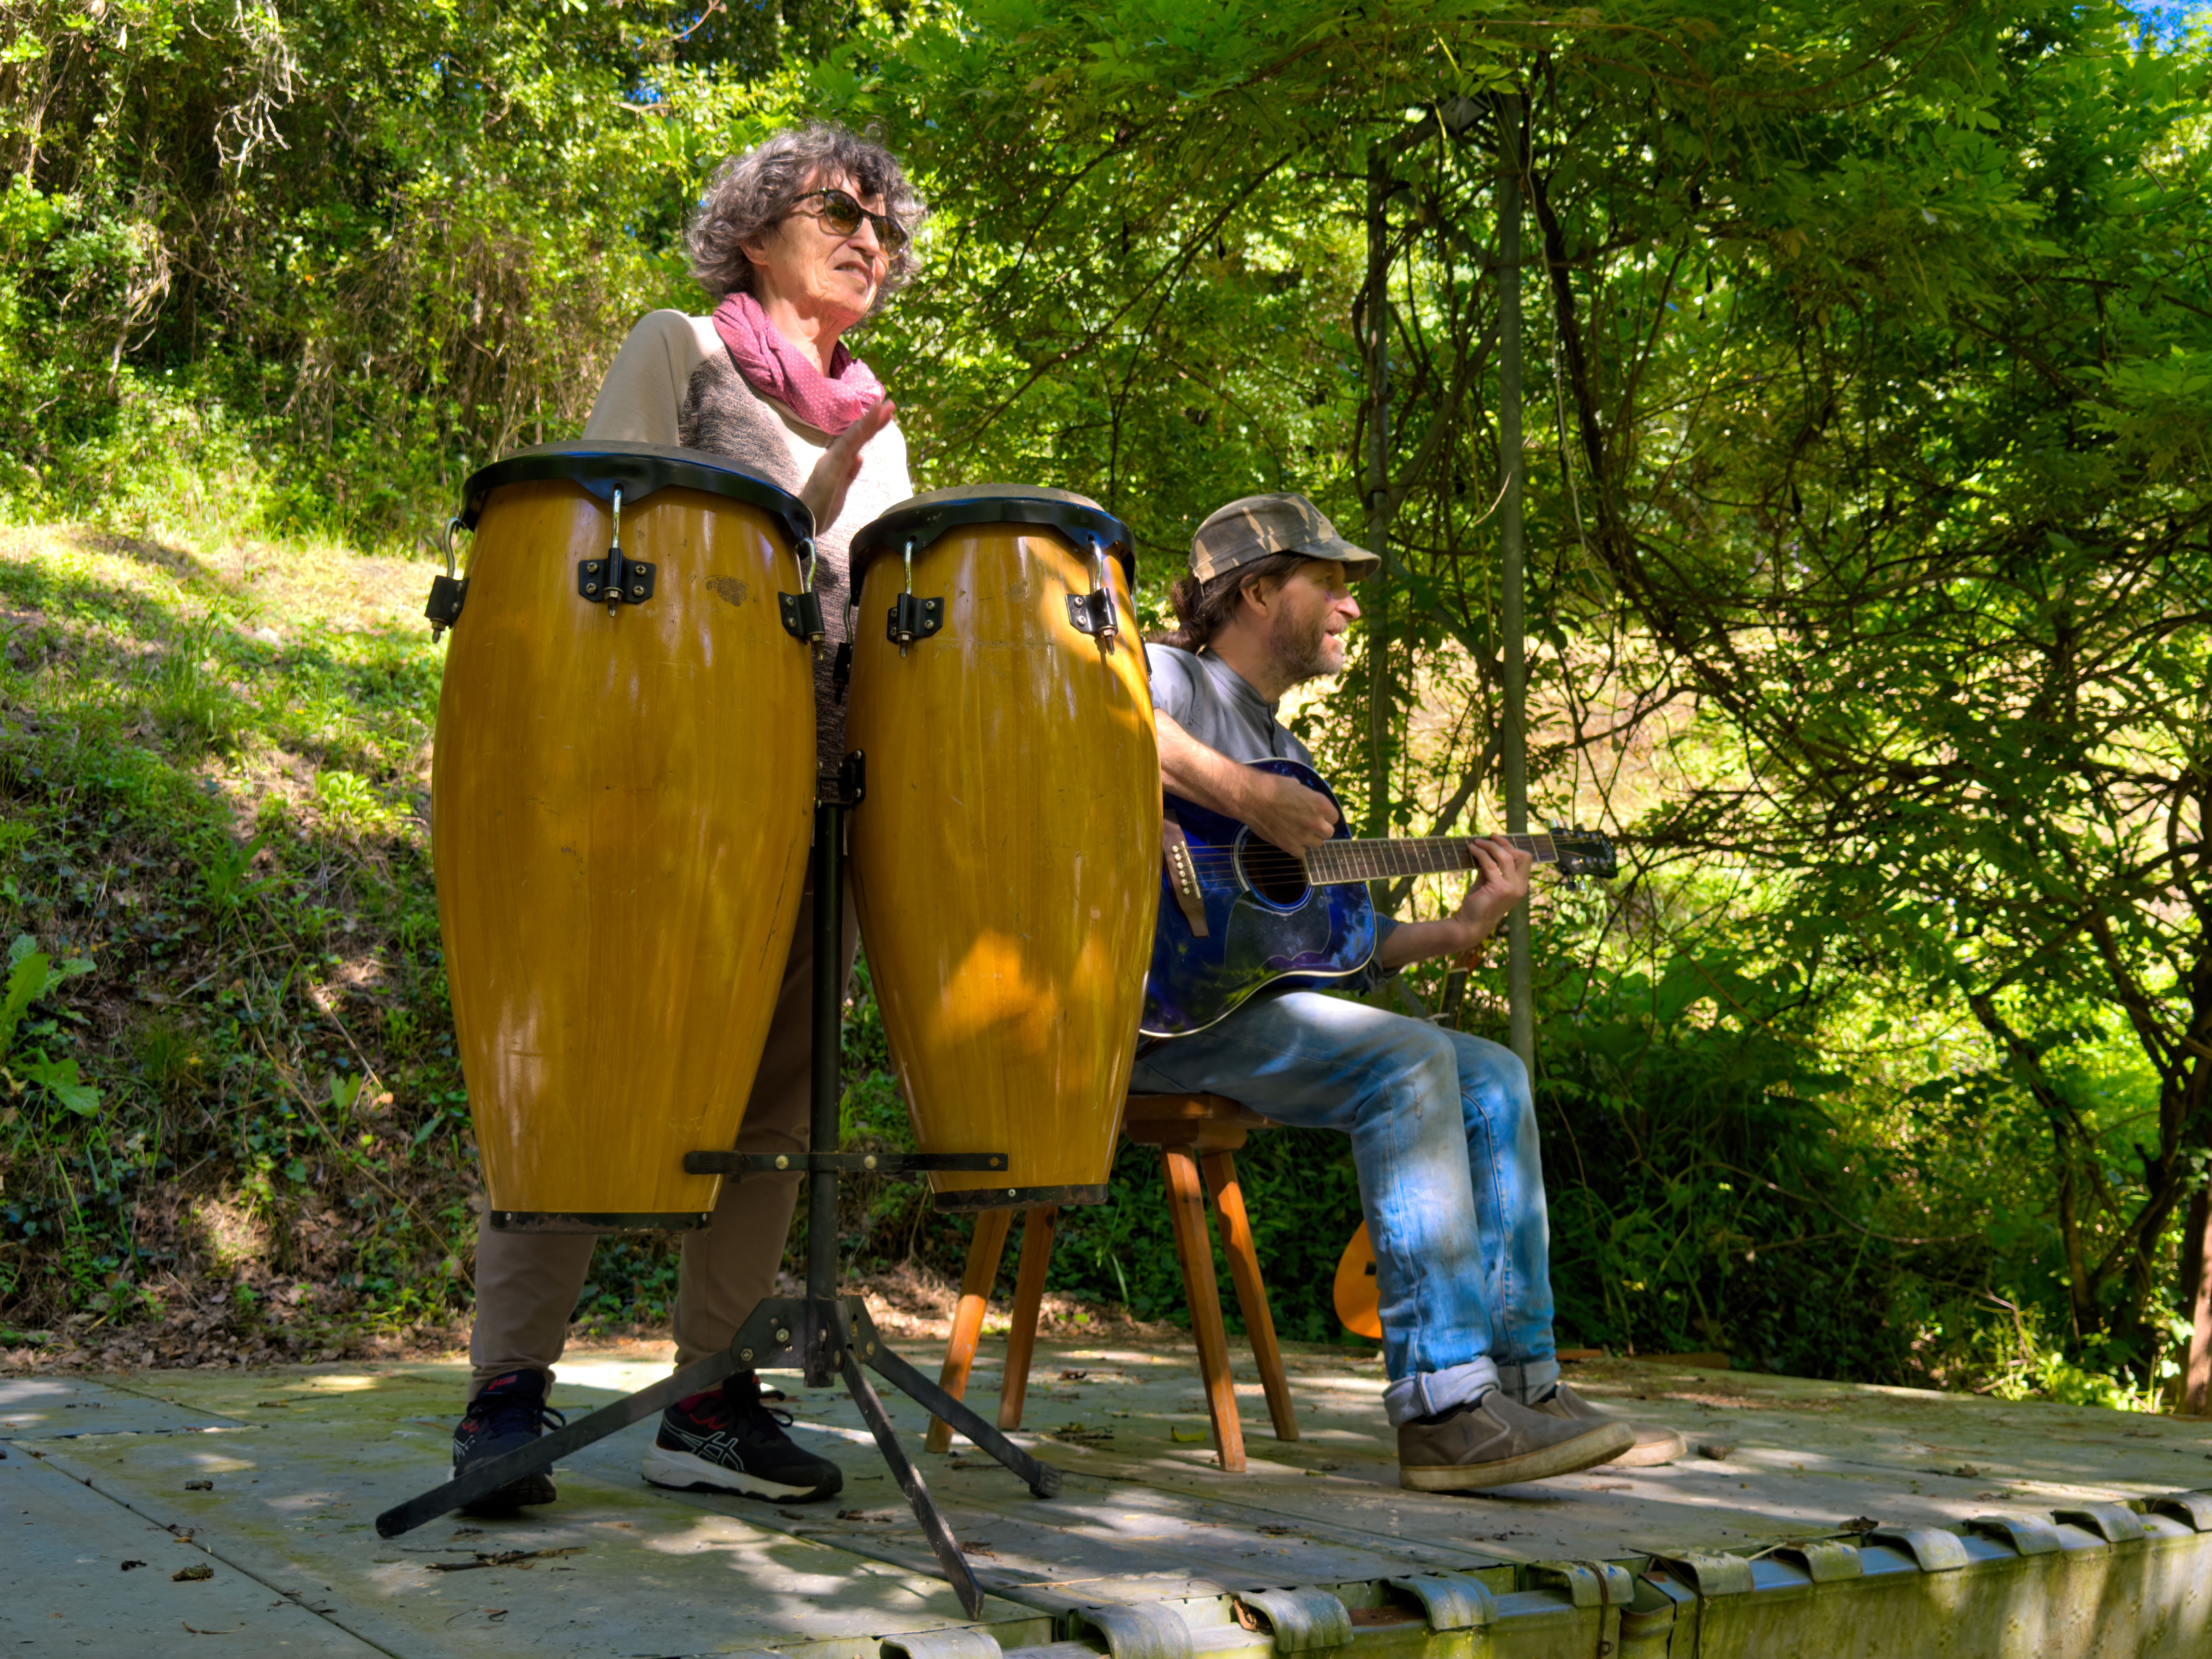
{"type": "Point", "coordinates": [751, 194]}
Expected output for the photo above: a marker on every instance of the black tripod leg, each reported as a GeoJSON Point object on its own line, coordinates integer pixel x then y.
{"type": "Point", "coordinates": [1042, 1479]}
{"type": "Point", "coordinates": [759, 1335]}
{"type": "Point", "coordinates": [933, 1526]}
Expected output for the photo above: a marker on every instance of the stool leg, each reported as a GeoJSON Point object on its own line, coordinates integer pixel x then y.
{"type": "Point", "coordinates": [1251, 1293]}
{"type": "Point", "coordinates": [983, 1253]}
{"type": "Point", "coordinates": [1038, 1229]}
{"type": "Point", "coordinates": [1187, 1211]}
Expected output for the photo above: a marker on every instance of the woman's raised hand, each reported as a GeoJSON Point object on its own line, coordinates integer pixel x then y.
{"type": "Point", "coordinates": [824, 492]}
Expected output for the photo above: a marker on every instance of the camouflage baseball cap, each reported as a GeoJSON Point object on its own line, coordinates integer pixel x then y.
{"type": "Point", "coordinates": [1260, 525]}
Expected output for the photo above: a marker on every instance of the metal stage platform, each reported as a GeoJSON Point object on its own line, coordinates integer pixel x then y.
{"type": "Point", "coordinates": [1816, 1518]}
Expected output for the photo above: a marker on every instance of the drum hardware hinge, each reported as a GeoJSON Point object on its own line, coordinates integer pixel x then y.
{"type": "Point", "coordinates": [448, 593]}
{"type": "Point", "coordinates": [615, 579]}
{"type": "Point", "coordinates": [446, 597]}
{"type": "Point", "coordinates": [802, 611]}
{"type": "Point", "coordinates": [1093, 612]}
{"type": "Point", "coordinates": [802, 616]}
{"type": "Point", "coordinates": [910, 618]}
{"type": "Point", "coordinates": [863, 1163]}
{"type": "Point", "coordinates": [913, 619]}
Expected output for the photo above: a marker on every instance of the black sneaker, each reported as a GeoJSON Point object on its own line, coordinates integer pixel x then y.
{"type": "Point", "coordinates": [508, 1413]}
{"type": "Point", "coordinates": [726, 1440]}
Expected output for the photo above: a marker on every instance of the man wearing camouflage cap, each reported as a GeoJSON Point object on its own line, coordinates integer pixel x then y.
{"type": "Point", "coordinates": [1454, 1200]}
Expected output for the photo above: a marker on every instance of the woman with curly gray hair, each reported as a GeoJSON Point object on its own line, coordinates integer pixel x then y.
{"type": "Point", "coordinates": [796, 240]}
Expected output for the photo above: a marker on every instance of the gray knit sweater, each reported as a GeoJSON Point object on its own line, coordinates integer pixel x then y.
{"type": "Point", "coordinates": [673, 383]}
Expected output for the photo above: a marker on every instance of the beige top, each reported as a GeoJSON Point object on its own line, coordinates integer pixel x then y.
{"type": "Point", "coordinates": [673, 383]}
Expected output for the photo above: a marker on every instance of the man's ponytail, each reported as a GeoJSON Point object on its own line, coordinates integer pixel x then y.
{"type": "Point", "coordinates": [1204, 608]}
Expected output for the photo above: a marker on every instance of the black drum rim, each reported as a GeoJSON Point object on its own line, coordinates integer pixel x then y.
{"type": "Point", "coordinates": [599, 467]}
{"type": "Point", "coordinates": [925, 520]}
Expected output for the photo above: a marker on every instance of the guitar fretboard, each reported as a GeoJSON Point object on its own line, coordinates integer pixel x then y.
{"type": "Point", "coordinates": [1336, 862]}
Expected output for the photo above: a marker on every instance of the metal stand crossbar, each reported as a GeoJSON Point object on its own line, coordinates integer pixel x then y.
{"type": "Point", "coordinates": [825, 1334]}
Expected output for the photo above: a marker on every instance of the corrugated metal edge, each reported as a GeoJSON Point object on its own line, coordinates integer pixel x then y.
{"type": "Point", "coordinates": [1932, 1549]}
{"type": "Point", "coordinates": [1139, 1630]}
{"type": "Point", "coordinates": [1826, 1560]}
{"type": "Point", "coordinates": [1588, 1583]}
{"type": "Point", "coordinates": [2028, 1534]}
{"type": "Point", "coordinates": [2113, 1523]}
{"type": "Point", "coordinates": [1302, 1620]}
{"type": "Point", "coordinates": [2192, 1509]}
{"type": "Point", "coordinates": [1711, 1576]}
{"type": "Point", "coordinates": [1449, 1601]}
{"type": "Point", "coordinates": [954, 1641]}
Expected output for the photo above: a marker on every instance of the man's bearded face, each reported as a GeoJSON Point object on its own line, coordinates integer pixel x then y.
{"type": "Point", "coordinates": [1307, 619]}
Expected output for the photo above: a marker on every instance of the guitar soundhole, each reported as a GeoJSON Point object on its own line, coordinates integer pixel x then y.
{"type": "Point", "coordinates": [1273, 874]}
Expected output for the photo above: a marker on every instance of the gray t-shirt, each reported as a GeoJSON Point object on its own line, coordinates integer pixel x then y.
{"type": "Point", "coordinates": [1217, 705]}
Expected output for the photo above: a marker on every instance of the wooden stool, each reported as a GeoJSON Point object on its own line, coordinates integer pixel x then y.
{"type": "Point", "coordinates": [1198, 1136]}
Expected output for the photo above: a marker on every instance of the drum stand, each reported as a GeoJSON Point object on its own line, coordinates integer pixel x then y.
{"type": "Point", "coordinates": [826, 1335]}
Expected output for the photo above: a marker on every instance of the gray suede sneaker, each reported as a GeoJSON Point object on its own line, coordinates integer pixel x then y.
{"type": "Point", "coordinates": [1654, 1446]}
{"type": "Point", "coordinates": [1491, 1442]}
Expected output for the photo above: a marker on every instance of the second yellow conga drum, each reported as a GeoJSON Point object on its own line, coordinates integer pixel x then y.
{"type": "Point", "coordinates": [1005, 856]}
{"type": "Point", "coordinates": [621, 809]}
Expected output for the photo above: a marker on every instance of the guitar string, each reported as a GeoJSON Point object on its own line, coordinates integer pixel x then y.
{"type": "Point", "coordinates": [1282, 868]}
{"type": "Point", "coordinates": [1256, 854]}
{"type": "Point", "coordinates": [1369, 849]}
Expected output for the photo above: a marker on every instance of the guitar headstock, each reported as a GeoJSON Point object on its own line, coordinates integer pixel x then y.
{"type": "Point", "coordinates": [1584, 853]}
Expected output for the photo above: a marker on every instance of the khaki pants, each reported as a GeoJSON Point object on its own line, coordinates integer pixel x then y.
{"type": "Point", "coordinates": [527, 1282]}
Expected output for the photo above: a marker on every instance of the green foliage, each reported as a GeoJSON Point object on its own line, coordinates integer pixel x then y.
{"type": "Point", "coordinates": [32, 976]}
{"type": "Point", "coordinates": [299, 269]}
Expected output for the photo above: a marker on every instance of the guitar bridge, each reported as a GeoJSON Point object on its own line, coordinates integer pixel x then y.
{"type": "Point", "coordinates": [1183, 876]}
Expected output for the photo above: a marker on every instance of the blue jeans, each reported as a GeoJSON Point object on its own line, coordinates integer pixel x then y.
{"type": "Point", "coordinates": [1454, 1200]}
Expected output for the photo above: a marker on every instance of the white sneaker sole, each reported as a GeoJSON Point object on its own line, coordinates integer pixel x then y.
{"type": "Point", "coordinates": [1654, 1452]}
{"type": "Point", "coordinates": [680, 1471]}
{"type": "Point", "coordinates": [1604, 1443]}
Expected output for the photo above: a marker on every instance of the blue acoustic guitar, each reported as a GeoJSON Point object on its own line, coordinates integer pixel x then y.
{"type": "Point", "coordinates": [1237, 914]}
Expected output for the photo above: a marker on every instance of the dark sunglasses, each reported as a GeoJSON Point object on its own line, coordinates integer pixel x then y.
{"type": "Point", "coordinates": [843, 215]}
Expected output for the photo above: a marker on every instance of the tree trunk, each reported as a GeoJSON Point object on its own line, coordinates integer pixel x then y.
{"type": "Point", "coordinates": [1376, 602]}
{"type": "Point", "coordinates": [1513, 623]}
{"type": "Point", "coordinates": [2196, 1285]}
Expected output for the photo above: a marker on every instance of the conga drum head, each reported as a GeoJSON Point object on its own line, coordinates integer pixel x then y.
{"type": "Point", "coordinates": [621, 805]}
{"type": "Point", "coordinates": [1004, 861]}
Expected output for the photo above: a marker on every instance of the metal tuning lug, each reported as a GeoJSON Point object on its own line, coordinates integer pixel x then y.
{"type": "Point", "coordinates": [448, 593]}
{"type": "Point", "coordinates": [802, 611]}
{"type": "Point", "coordinates": [912, 618]}
{"type": "Point", "coordinates": [853, 777]}
{"type": "Point", "coordinates": [1093, 612]}
{"type": "Point", "coordinates": [617, 579]}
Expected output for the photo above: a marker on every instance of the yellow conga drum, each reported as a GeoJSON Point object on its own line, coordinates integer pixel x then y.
{"type": "Point", "coordinates": [1005, 858]}
{"type": "Point", "coordinates": [621, 805]}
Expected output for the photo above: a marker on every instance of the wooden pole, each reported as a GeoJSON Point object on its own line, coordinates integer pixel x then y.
{"type": "Point", "coordinates": [983, 1253]}
{"type": "Point", "coordinates": [1374, 603]}
{"type": "Point", "coordinates": [1513, 618]}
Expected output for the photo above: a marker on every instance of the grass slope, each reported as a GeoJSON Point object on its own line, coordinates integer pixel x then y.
{"type": "Point", "coordinates": [214, 773]}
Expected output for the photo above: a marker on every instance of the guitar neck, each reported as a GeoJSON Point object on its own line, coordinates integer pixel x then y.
{"type": "Point", "coordinates": [1334, 863]}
